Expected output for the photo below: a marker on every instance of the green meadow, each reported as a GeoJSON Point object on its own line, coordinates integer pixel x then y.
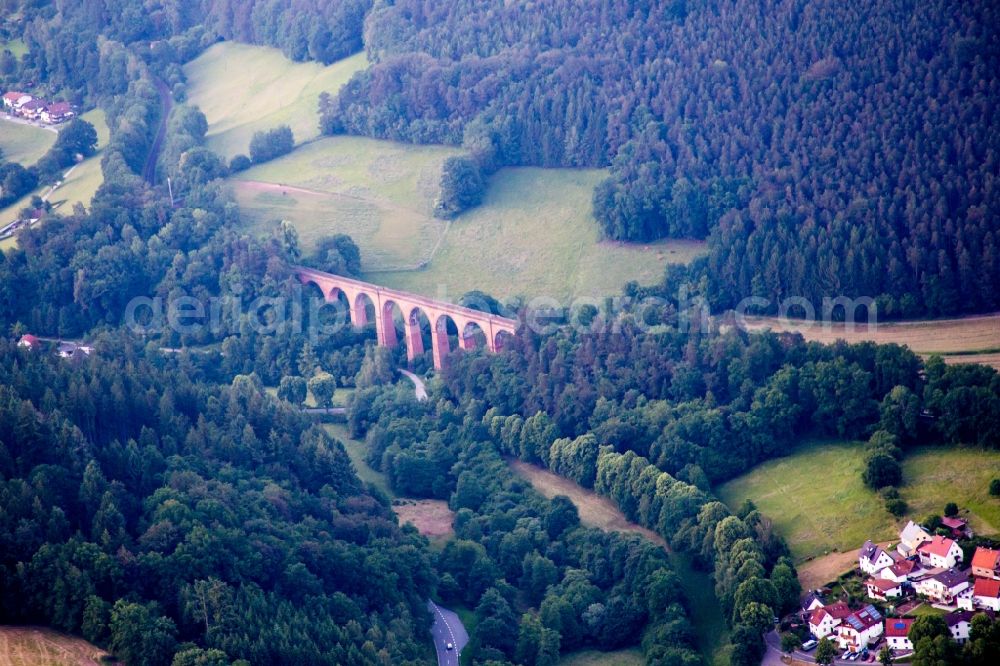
{"type": "Point", "coordinates": [242, 89]}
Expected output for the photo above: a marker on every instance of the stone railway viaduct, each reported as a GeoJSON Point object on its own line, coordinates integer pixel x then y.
{"type": "Point", "coordinates": [360, 295]}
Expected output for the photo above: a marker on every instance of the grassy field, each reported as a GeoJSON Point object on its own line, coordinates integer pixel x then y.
{"type": "Point", "coordinates": [24, 144]}
{"type": "Point", "coordinates": [78, 187]}
{"type": "Point", "coordinates": [974, 339]}
{"type": "Point", "coordinates": [632, 657]}
{"type": "Point", "coordinates": [242, 89]}
{"type": "Point", "coordinates": [534, 234]}
{"type": "Point", "coordinates": [15, 46]}
{"type": "Point", "coordinates": [596, 511]}
{"type": "Point", "coordinates": [40, 646]}
{"type": "Point", "coordinates": [935, 476]}
{"type": "Point", "coordinates": [381, 193]}
{"type": "Point", "coordinates": [817, 501]}
{"type": "Point", "coordinates": [356, 452]}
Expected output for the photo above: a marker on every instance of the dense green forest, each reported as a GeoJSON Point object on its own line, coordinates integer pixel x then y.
{"type": "Point", "coordinates": [823, 148]}
{"type": "Point", "coordinates": [166, 506]}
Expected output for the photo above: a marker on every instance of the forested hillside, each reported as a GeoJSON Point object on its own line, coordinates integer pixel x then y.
{"type": "Point", "coordinates": [825, 148]}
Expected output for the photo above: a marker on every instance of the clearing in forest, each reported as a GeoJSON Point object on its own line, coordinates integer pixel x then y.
{"type": "Point", "coordinates": [41, 646]}
{"type": "Point", "coordinates": [242, 89]}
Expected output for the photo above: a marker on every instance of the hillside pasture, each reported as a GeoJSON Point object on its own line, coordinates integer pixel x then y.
{"type": "Point", "coordinates": [78, 187]}
{"type": "Point", "coordinates": [41, 646]}
{"type": "Point", "coordinates": [242, 89]}
{"type": "Point", "coordinates": [817, 502]}
{"type": "Point", "coordinates": [379, 192]}
{"type": "Point", "coordinates": [816, 499]}
{"type": "Point", "coordinates": [23, 143]}
{"type": "Point", "coordinates": [534, 234]}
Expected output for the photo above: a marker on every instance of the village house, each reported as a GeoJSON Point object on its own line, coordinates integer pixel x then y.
{"type": "Point", "coordinates": [964, 599]}
{"type": "Point", "coordinates": [883, 588]}
{"type": "Point", "coordinates": [28, 342]}
{"type": "Point", "coordinates": [32, 110]}
{"type": "Point", "coordinates": [986, 594]}
{"type": "Point", "coordinates": [897, 634]}
{"type": "Point", "coordinates": [824, 620]}
{"type": "Point", "coordinates": [910, 538]}
{"type": "Point", "coordinates": [959, 528]}
{"type": "Point", "coordinates": [13, 99]}
{"type": "Point", "coordinates": [811, 602]}
{"type": "Point", "coordinates": [860, 629]}
{"type": "Point", "coordinates": [940, 552]}
{"type": "Point", "coordinates": [986, 563]}
{"type": "Point", "coordinates": [901, 571]}
{"type": "Point", "coordinates": [872, 559]}
{"type": "Point", "coordinates": [959, 624]}
{"type": "Point", "coordinates": [943, 587]}
{"type": "Point", "coordinates": [57, 112]}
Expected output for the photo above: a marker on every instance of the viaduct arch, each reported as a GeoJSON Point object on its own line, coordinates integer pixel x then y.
{"type": "Point", "coordinates": [359, 294]}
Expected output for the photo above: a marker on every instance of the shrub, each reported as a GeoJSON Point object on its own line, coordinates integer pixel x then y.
{"type": "Point", "coordinates": [995, 487]}
{"type": "Point", "coordinates": [273, 143]}
{"type": "Point", "coordinates": [240, 163]}
{"type": "Point", "coordinates": [896, 507]}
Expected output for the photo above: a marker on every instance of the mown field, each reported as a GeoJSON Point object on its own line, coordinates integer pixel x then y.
{"type": "Point", "coordinates": [78, 187]}
{"type": "Point", "coordinates": [974, 339]}
{"type": "Point", "coordinates": [381, 193]}
{"type": "Point", "coordinates": [242, 89]}
{"type": "Point", "coordinates": [596, 511]}
{"type": "Point", "coordinates": [24, 144]}
{"type": "Point", "coordinates": [40, 646]}
{"type": "Point", "coordinates": [817, 501]}
{"type": "Point", "coordinates": [534, 235]}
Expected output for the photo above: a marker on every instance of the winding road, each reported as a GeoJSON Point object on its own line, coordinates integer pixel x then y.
{"type": "Point", "coordinates": [418, 384]}
{"type": "Point", "coordinates": [447, 628]}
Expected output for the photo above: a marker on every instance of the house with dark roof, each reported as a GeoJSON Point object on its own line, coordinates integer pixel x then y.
{"type": "Point", "coordinates": [811, 602]}
{"type": "Point", "coordinates": [897, 634]}
{"type": "Point", "coordinates": [960, 622]}
{"type": "Point", "coordinates": [986, 563]}
{"type": "Point", "coordinates": [872, 559]}
{"type": "Point", "coordinates": [860, 629]}
{"type": "Point", "coordinates": [943, 587]}
{"type": "Point", "coordinates": [32, 110]}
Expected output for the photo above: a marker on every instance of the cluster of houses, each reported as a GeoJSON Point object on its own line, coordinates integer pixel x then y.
{"type": "Point", "coordinates": [64, 349]}
{"type": "Point", "coordinates": [929, 567]}
{"type": "Point", "coordinates": [33, 108]}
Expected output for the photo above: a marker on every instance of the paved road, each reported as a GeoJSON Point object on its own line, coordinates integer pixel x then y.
{"type": "Point", "coordinates": [772, 655]}
{"type": "Point", "coordinates": [418, 384]}
{"type": "Point", "coordinates": [447, 628]}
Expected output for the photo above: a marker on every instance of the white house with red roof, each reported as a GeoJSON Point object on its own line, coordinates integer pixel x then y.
{"type": "Point", "coordinates": [897, 633]}
{"type": "Point", "coordinates": [860, 629]}
{"type": "Point", "coordinates": [986, 563]}
{"type": "Point", "coordinates": [883, 588]}
{"type": "Point", "coordinates": [825, 620]}
{"type": "Point", "coordinates": [13, 100]}
{"type": "Point", "coordinates": [57, 112]}
{"type": "Point", "coordinates": [940, 552]}
{"type": "Point", "coordinates": [872, 559]}
{"type": "Point", "coordinates": [901, 571]}
{"type": "Point", "coordinates": [986, 594]}
{"type": "Point", "coordinates": [28, 341]}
